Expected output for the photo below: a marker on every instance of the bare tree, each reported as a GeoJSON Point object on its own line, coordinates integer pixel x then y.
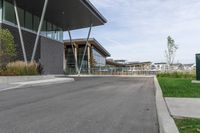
{"type": "Point", "coordinates": [171, 50]}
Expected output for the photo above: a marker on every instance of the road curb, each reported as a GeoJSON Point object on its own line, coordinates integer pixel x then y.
{"type": "Point", "coordinates": [128, 76]}
{"type": "Point", "coordinates": [166, 122]}
{"type": "Point", "coordinates": [12, 79]}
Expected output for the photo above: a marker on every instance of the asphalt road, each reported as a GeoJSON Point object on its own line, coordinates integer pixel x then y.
{"type": "Point", "coordinates": [88, 105]}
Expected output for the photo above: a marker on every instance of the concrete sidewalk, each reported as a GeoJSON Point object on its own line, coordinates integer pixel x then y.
{"type": "Point", "coordinates": [6, 86]}
{"type": "Point", "coordinates": [9, 83]}
{"type": "Point", "coordinates": [184, 107]}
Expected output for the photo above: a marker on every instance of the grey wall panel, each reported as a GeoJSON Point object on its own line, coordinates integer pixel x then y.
{"type": "Point", "coordinates": [52, 56]}
{"type": "Point", "coordinates": [29, 39]}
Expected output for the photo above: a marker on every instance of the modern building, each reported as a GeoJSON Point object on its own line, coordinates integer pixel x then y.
{"type": "Point", "coordinates": [94, 59]}
{"type": "Point", "coordinates": [38, 26]}
{"type": "Point", "coordinates": [145, 66]}
{"type": "Point", "coordinates": [160, 66]}
{"type": "Point", "coordinates": [121, 61]}
{"type": "Point", "coordinates": [112, 63]}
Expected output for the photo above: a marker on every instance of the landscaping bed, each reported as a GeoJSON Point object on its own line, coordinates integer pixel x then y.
{"type": "Point", "coordinates": [20, 68]}
{"type": "Point", "coordinates": [188, 125]}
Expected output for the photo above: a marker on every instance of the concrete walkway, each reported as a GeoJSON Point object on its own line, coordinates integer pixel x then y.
{"type": "Point", "coordinates": [10, 83]}
{"type": "Point", "coordinates": [3, 86]}
{"type": "Point", "coordinates": [184, 107]}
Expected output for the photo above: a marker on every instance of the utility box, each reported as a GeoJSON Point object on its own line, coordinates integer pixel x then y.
{"type": "Point", "coordinates": [198, 66]}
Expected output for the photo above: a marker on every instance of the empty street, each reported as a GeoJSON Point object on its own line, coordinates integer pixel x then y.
{"type": "Point", "coordinates": [87, 105]}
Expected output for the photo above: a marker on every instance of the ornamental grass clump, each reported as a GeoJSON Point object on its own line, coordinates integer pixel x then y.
{"type": "Point", "coordinates": [20, 68]}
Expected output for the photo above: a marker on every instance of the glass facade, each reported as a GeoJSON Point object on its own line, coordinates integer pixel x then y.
{"type": "Point", "coordinates": [71, 60]}
{"type": "Point", "coordinates": [99, 60]}
{"type": "Point", "coordinates": [70, 57]}
{"type": "Point", "coordinates": [1, 10]}
{"type": "Point", "coordinates": [80, 56]}
{"type": "Point", "coordinates": [29, 21]}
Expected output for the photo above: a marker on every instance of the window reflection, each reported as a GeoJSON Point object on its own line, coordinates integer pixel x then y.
{"type": "Point", "coordinates": [99, 60]}
{"type": "Point", "coordinates": [31, 22]}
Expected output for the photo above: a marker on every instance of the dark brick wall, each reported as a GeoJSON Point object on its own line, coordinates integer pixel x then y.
{"type": "Point", "coordinates": [29, 40]}
{"type": "Point", "coordinates": [52, 56]}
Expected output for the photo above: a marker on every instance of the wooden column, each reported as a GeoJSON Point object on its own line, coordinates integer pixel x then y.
{"type": "Point", "coordinates": [89, 57]}
{"type": "Point", "coordinates": [76, 57]}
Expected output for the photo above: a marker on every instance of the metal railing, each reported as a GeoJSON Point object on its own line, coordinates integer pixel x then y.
{"type": "Point", "coordinates": [111, 71]}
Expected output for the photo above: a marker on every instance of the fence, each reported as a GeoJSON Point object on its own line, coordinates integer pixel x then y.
{"type": "Point", "coordinates": [112, 71]}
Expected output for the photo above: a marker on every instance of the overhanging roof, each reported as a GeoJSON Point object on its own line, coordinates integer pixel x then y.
{"type": "Point", "coordinates": [92, 41]}
{"type": "Point", "coordinates": [68, 14]}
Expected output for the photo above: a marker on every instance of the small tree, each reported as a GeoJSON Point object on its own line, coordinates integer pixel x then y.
{"type": "Point", "coordinates": [7, 47]}
{"type": "Point", "coordinates": [171, 51]}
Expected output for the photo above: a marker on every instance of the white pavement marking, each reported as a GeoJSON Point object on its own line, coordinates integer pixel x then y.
{"type": "Point", "coordinates": [184, 107]}
{"type": "Point", "coordinates": [55, 80]}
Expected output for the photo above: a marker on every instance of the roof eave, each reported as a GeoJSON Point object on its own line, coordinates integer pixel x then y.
{"type": "Point", "coordinates": [93, 9]}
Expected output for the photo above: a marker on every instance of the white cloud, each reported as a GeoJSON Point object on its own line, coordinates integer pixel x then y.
{"type": "Point", "coordinates": [137, 29]}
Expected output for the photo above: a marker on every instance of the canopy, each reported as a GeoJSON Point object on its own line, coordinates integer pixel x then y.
{"type": "Point", "coordinates": [68, 14]}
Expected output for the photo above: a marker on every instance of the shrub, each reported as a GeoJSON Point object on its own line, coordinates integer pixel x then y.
{"type": "Point", "coordinates": [190, 75]}
{"type": "Point", "coordinates": [7, 47]}
{"type": "Point", "coordinates": [20, 68]}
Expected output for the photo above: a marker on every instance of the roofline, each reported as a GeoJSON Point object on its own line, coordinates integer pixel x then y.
{"type": "Point", "coordinates": [91, 17]}
{"type": "Point", "coordinates": [94, 10]}
{"type": "Point", "coordinates": [101, 46]}
{"type": "Point", "coordinates": [90, 39]}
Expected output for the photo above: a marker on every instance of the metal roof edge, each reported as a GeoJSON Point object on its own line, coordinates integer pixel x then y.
{"type": "Point", "coordinates": [93, 9]}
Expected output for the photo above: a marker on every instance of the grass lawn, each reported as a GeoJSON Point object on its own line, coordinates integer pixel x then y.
{"type": "Point", "coordinates": [188, 125]}
{"type": "Point", "coordinates": [179, 87]}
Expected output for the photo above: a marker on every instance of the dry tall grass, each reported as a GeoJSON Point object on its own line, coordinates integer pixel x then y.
{"type": "Point", "coordinates": [20, 68]}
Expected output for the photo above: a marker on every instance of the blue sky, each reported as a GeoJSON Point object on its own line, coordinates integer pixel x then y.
{"type": "Point", "coordinates": [137, 29]}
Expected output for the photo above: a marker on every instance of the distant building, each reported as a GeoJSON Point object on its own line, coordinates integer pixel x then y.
{"type": "Point", "coordinates": [112, 63]}
{"type": "Point", "coordinates": [161, 66]}
{"type": "Point", "coordinates": [139, 65]}
{"type": "Point", "coordinates": [121, 61]}
{"type": "Point", "coordinates": [189, 67]}
{"type": "Point", "coordinates": [95, 55]}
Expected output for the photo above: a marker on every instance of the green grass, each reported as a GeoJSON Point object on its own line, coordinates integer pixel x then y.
{"type": "Point", "coordinates": [179, 87]}
{"type": "Point", "coordinates": [188, 125]}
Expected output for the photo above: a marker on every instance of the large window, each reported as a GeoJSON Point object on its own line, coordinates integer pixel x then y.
{"type": "Point", "coordinates": [49, 30]}
{"type": "Point", "coordinates": [1, 10]}
{"type": "Point", "coordinates": [44, 28]}
{"type": "Point", "coordinates": [99, 60]}
{"type": "Point", "coordinates": [70, 57]}
{"type": "Point", "coordinates": [9, 13]}
{"type": "Point", "coordinates": [21, 16]}
{"type": "Point", "coordinates": [81, 49]}
{"type": "Point", "coordinates": [36, 21]}
{"type": "Point", "coordinates": [30, 21]}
